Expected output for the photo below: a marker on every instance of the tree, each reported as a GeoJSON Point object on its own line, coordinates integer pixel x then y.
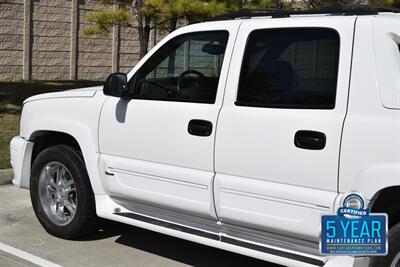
{"type": "Point", "coordinates": [143, 15]}
{"type": "Point", "coordinates": [131, 13]}
{"type": "Point", "coordinates": [319, 3]}
{"type": "Point", "coordinates": [191, 11]}
{"type": "Point", "coordinates": [386, 2]}
{"type": "Point", "coordinates": [239, 4]}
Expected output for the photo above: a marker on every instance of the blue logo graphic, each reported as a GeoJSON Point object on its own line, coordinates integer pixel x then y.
{"type": "Point", "coordinates": [353, 230]}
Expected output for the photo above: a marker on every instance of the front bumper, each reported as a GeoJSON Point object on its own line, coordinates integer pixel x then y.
{"type": "Point", "coordinates": [21, 153]}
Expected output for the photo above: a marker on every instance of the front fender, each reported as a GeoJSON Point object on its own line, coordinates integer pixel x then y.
{"type": "Point", "coordinates": [82, 135]}
{"type": "Point", "coordinates": [78, 117]}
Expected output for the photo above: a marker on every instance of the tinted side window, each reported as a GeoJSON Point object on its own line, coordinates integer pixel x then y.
{"type": "Point", "coordinates": [290, 68]}
{"type": "Point", "coordinates": [187, 68]}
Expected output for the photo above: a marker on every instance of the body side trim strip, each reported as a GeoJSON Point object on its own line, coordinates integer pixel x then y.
{"type": "Point", "coordinates": [159, 178]}
{"type": "Point", "coordinates": [275, 199]}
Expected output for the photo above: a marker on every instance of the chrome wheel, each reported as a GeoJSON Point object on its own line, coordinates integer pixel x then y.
{"type": "Point", "coordinates": [396, 261]}
{"type": "Point", "coordinates": [57, 193]}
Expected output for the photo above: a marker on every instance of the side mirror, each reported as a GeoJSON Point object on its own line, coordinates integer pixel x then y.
{"type": "Point", "coordinates": [116, 85]}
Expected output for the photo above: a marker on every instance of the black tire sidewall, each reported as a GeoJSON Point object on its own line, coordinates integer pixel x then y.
{"type": "Point", "coordinates": [394, 248]}
{"type": "Point", "coordinates": [85, 211]}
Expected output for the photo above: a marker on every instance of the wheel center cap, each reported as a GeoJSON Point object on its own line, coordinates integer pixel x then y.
{"type": "Point", "coordinates": [62, 193]}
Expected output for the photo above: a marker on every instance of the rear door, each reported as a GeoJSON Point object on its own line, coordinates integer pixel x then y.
{"type": "Point", "coordinates": [279, 131]}
{"type": "Point", "coordinates": [158, 147]}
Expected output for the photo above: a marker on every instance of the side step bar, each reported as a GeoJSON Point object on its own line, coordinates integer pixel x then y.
{"type": "Point", "coordinates": [222, 238]}
{"type": "Point", "coordinates": [173, 226]}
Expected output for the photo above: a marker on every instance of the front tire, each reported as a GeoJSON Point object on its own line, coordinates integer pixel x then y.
{"type": "Point", "coordinates": [61, 194]}
{"type": "Point", "coordinates": [392, 259]}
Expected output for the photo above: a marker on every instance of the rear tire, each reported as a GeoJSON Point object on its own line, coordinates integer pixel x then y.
{"type": "Point", "coordinates": [392, 259]}
{"type": "Point", "coordinates": [61, 194]}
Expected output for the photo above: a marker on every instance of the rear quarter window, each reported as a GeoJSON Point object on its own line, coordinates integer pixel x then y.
{"type": "Point", "coordinates": [290, 68]}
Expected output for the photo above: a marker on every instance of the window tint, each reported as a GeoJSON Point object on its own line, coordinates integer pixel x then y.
{"type": "Point", "coordinates": [186, 68]}
{"type": "Point", "coordinates": [290, 68]}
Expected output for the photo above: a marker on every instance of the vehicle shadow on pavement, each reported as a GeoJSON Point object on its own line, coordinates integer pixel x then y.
{"type": "Point", "coordinates": [173, 248]}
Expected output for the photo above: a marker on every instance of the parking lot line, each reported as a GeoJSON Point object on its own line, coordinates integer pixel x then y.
{"type": "Point", "coordinates": [27, 256]}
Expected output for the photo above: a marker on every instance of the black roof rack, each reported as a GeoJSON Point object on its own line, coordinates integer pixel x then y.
{"type": "Point", "coordinates": [338, 9]}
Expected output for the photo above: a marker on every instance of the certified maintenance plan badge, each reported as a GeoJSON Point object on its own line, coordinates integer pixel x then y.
{"type": "Point", "coordinates": [353, 230]}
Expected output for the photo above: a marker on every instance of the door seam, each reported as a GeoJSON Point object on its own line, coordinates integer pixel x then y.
{"type": "Point", "coordinates": [216, 123]}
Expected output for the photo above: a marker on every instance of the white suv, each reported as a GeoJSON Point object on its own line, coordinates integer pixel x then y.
{"type": "Point", "coordinates": [238, 134]}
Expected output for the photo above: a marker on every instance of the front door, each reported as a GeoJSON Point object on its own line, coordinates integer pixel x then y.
{"type": "Point", "coordinates": [158, 146]}
{"type": "Point", "coordinates": [279, 131]}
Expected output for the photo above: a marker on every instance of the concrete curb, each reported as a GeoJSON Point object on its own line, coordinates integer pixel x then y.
{"type": "Point", "coordinates": [6, 176]}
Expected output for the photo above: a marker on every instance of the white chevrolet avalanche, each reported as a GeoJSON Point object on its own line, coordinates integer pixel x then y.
{"type": "Point", "coordinates": [237, 134]}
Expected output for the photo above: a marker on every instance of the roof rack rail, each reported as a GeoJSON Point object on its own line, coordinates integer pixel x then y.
{"type": "Point", "coordinates": [338, 9]}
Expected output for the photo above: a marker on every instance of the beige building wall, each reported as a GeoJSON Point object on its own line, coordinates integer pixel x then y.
{"type": "Point", "coordinates": [11, 39]}
{"type": "Point", "coordinates": [40, 40]}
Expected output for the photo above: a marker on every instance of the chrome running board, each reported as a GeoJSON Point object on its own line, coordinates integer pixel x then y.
{"type": "Point", "coordinates": [287, 247]}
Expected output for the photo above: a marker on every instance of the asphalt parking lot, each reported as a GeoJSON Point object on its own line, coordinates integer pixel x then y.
{"type": "Point", "coordinates": [23, 240]}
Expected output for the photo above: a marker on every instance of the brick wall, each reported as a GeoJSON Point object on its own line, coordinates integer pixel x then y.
{"type": "Point", "coordinates": [51, 33]}
{"type": "Point", "coordinates": [11, 39]}
{"type": "Point", "coordinates": [39, 39]}
{"type": "Point", "coordinates": [94, 53]}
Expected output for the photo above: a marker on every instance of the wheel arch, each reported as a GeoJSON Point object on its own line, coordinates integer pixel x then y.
{"type": "Point", "coordinates": [380, 184]}
{"type": "Point", "coordinates": [43, 139]}
{"type": "Point", "coordinates": [385, 201]}
{"type": "Point", "coordinates": [71, 133]}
